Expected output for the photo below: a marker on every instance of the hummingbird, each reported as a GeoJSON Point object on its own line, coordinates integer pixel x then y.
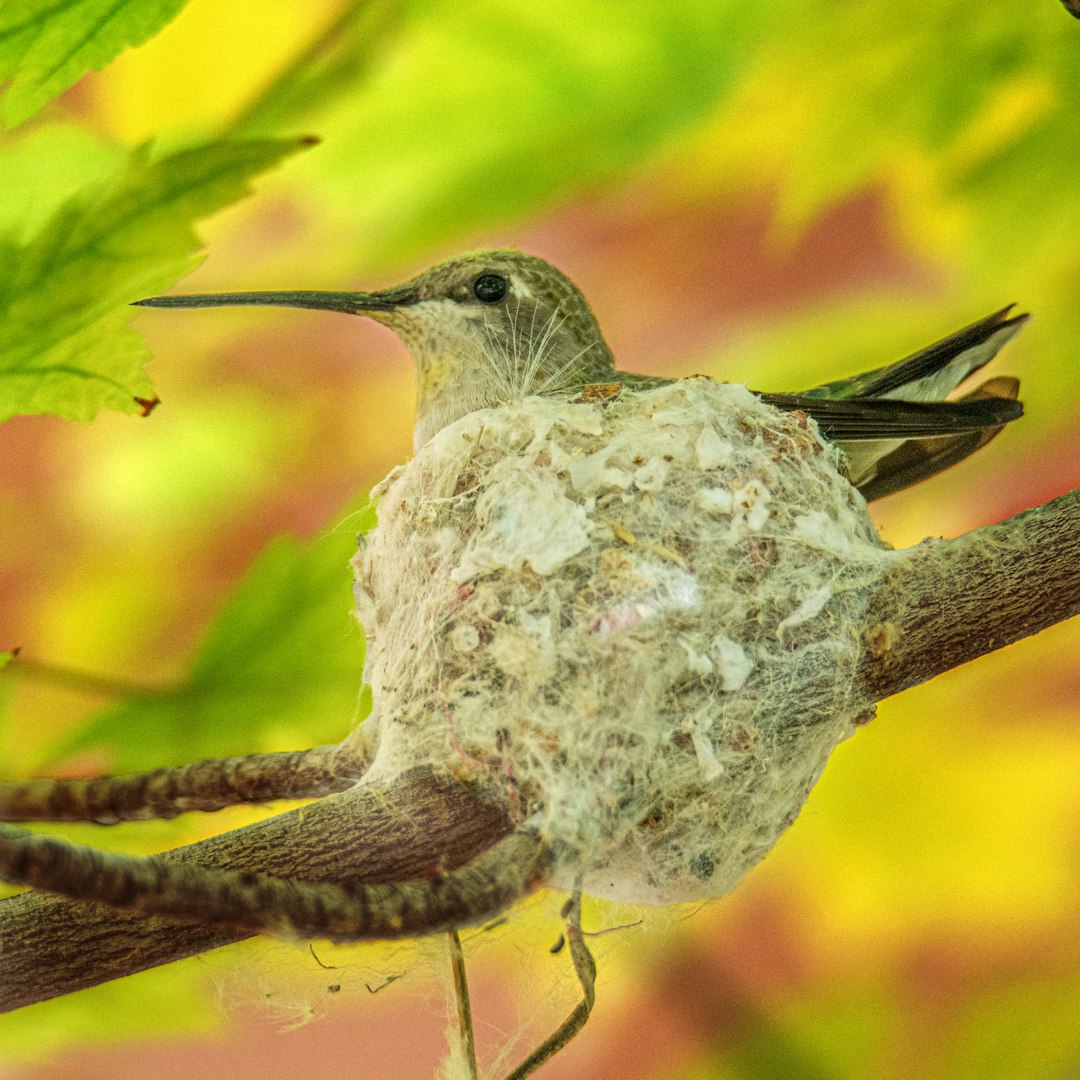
{"type": "Point", "coordinates": [492, 327]}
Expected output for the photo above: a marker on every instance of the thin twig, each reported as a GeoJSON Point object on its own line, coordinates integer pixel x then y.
{"type": "Point", "coordinates": [53, 946]}
{"type": "Point", "coordinates": [464, 1005]}
{"type": "Point", "coordinates": [83, 682]}
{"type": "Point", "coordinates": [585, 969]}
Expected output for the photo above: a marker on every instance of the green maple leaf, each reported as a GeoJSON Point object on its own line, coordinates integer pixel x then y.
{"type": "Point", "coordinates": [46, 45]}
{"type": "Point", "coordinates": [65, 346]}
{"type": "Point", "coordinates": [283, 650]}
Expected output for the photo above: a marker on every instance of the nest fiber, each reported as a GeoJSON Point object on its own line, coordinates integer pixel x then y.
{"type": "Point", "coordinates": [635, 622]}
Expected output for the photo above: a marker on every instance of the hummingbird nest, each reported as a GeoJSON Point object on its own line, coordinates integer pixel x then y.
{"type": "Point", "coordinates": [633, 621]}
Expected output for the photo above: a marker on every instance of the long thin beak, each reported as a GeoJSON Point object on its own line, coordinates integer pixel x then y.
{"type": "Point", "coordinates": [355, 303]}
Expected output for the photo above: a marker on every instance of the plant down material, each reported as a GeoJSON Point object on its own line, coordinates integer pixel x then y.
{"type": "Point", "coordinates": [634, 622]}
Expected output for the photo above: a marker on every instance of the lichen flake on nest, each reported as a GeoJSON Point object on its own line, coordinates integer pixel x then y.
{"type": "Point", "coordinates": [634, 621]}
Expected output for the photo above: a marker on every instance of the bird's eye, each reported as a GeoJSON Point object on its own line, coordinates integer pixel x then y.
{"type": "Point", "coordinates": [490, 288]}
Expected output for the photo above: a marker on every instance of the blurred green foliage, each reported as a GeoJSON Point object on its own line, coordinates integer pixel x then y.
{"type": "Point", "coordinates": [46, 46]}
{"type": "Point", "coordinates": [443, 124]}
{"type": "Point", "coordinates": [44, 166]}
{"type": "Point", "coordinates": [65, 347]}
{"type": "Point", "coordinates": [283, 644]}
{"type": "Point", "coordinates": [486, 112]}
{"type": "Point", "coordinates": [967, 122]}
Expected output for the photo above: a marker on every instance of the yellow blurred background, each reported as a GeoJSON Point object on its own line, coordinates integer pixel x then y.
{"type": "Point", "coordinates": [779, 196]}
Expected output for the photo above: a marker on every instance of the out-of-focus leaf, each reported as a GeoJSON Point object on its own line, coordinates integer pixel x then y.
{"type": "Point", "coordinates": [995, 104]}
{"type": "Point", "coordinates": [336, 61]}
{"type": "Point", "coordinates": [486, 110]}
{"type": "Point", "coordinates": [181, 1007]}
{"type": "Point", "coordinates": [1028, 1029]}
{"type": "Point", "coordinates": [5, 659]}
{"type": "Point", "coordinates": [966, 125]}
{"type": "Point", "coordinates": [283, 651]}
{"type": "Point", "coordinates": [45, 46]}
{"type": "Point", "coordinates": [64, 344]}
{"type": "Point", "coordinates": [45, 165]}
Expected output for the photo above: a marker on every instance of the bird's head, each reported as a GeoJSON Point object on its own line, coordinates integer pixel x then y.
{"type": "Point", "coordinates": [484, 329]}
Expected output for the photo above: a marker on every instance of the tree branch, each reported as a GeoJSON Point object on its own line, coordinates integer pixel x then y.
{"type": "Point", "coordinates": [52, 946]}
{"type": "Point", "coordinates": [945, 602]}
{"type": "Point", "coordinates": [940, 604]}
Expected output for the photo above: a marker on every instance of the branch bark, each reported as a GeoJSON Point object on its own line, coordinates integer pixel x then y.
{"type": "Point", "coordinates": [945, 602]}
{"type": "Point", "coordinates": [942, 603]}
{"type": "Point", "coordinates": [52, 946]}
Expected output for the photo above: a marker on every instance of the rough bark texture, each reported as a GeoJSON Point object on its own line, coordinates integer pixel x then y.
{"type": "Point", "coordinates": [51, 946]}
{"type": "Point", "coordinates": [943, 603]}
{"type": "Point", "coordinates": [950, 601]}
{"type": "Point", "coordinates": [209, 784]}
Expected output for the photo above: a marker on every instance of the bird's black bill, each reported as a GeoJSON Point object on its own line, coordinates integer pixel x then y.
{"type": "Point", "coordinates": [349, 303]}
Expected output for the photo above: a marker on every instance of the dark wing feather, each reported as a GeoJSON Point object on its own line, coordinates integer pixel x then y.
{"type": "Point", "coordinates": [919, 459]}
{"type": "Point", "coordinates": [976, 340]}
{"type": "Point", "coordinates": [857, 419]}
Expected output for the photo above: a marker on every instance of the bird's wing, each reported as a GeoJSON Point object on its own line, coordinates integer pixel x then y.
{"type": "Point", "coordinates": [931, 373]}
{"type": "Point", "coordinates": [862, 419]}
{"type": "Point", "coordinates": [914, 460]}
